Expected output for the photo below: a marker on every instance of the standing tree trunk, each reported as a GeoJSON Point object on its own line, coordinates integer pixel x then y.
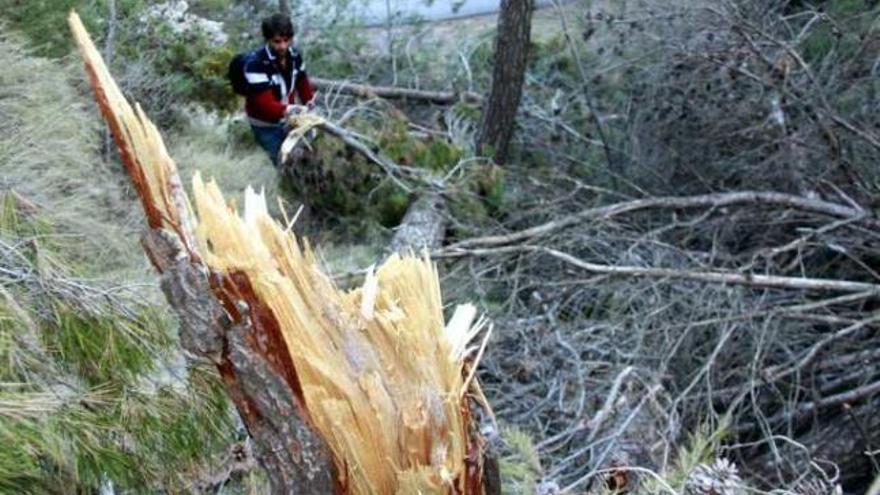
{"type": "Point", "coordinates": [284, 8]}
{"type": "Point", "coordinates": [511, 51]}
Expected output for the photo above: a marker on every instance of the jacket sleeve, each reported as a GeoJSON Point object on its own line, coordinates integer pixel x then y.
{"type": "Point", "coordinates": [303, 86]}
{"type": "Point", "coordinates": [256, 78]}
{"type": "Point", "coordinates": [264, 106]}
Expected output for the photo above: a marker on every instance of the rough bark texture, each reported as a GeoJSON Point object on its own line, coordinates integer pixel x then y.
{"type": "Point", "coordinates": [284, 8]}
{"type": "Point", "coordinates": [511, 51]}
{"type": "Point", "coordinates": [294, 456]}
{"type": "Point", "coordinates": [394, 93]}
{"type": "Point", "coordinates": [423, 226]}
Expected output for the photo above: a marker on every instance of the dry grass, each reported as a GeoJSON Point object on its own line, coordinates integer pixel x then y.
{"type": "Point", "coordinates": [49, 154]}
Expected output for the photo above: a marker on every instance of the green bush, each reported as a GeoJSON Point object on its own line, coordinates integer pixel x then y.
{"type": "Point", "coordinates": [44, 22]}
{"type": "Point", "coordinates": [199, 65]}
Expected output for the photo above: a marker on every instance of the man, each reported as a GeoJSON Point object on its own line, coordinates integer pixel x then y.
{"type": "Point", "coordinates": [275, 76]}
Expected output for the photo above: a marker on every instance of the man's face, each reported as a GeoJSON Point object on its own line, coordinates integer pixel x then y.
{"type": "Point", "coordinates": [280, 43]}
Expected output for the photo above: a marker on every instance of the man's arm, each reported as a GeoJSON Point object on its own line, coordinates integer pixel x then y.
{"type": "Point", "coordinates": [261, 103]}
{"type": "Point", "coordinates": [304, 89]}
{"type": "Point", "coordinates": [264, 106]}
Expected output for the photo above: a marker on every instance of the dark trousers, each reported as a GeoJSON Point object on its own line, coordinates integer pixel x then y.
{"type": "Point", "coordinates": [270, 138]}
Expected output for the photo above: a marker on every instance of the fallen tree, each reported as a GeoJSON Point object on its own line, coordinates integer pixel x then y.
{"type": "Point", "coordinates": [365, 391]}
{"type": "Point", "coordinates": [395, 93]}
{"type": "Point", "coordinates": [772, 338]}
{"type": "Point", "coordinates": [422, 226]}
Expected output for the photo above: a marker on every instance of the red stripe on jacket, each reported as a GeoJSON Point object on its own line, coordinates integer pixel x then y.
{"type": "Point", "coordinates": [263, 105]}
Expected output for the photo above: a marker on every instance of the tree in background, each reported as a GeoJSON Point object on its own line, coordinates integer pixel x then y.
{"type": "Point", "coordinates": [511, 50]}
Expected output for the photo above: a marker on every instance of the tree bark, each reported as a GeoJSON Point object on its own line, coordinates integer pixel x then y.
{"type": "Point", "coordinates": [295, 457]}
{"type": "Point", "coordinates": [511, 52]}
{"type": "Point", "coordinates": [394, 93]}
{"type": "Point", "coordinates": [284, 8]}
{"type": "Point", "coordinates": [423, 226]}
{"type": "Point", "coordinates": [234, 312]}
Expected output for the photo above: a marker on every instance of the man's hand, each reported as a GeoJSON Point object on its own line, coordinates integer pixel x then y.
{"type": "Point", "coordinates": [294, 110]}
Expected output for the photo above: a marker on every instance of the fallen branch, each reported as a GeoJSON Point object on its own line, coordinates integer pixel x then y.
{"type": "Point", "coordinates": [303, 123]}
{"type": "Point", "coordinates": [392, 92]}
{"type": "Point", "coordinates": [683, 202]}
{"type": "Point", "coordinates": [751, 280]}
{"type": "Point", "coordinates": [782, 370]}
{"type": "Point", "coordinates": [393, 170]}
{"type": "Point", "coordinates": [772, 374]}
{"type": "Point", "coordinates": [807, 408]}
{"type": "Point", "coordinates": [423, 226]}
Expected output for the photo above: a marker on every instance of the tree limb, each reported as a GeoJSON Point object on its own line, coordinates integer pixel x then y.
{"type": "Point", "coordinates": [392, 92]}
{"type": "Point", "coordinates": [747, 279]}
{"type": "Point", "coordinates": [807, 408]}
{"type": "Point", "coordinates": [717, 200]}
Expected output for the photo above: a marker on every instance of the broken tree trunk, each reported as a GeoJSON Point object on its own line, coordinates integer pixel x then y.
{"type": "Point", "coordinates": [293, 454]}
{"type": "Point", "coordinates": [353, 392]}
{"type": "Point", "coordinates": [424, 224]}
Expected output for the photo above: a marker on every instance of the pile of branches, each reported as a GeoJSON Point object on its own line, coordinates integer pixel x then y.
{"type": "Point", "coordinates": [715, 292]}
{"type": "Point", "coordinates": [724, 281]}
{"type": "Point", "coordinates": [620, 338]}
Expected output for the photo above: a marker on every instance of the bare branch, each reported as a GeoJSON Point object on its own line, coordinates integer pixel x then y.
{"type": "Point", "coordinates": [751, 280]}
{"type": "Point", "coordinates": [718, 200]}
{"type": "Point", "coordinates": [392, 92]}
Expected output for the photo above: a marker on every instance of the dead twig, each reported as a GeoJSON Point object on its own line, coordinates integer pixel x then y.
{"type": "Point", "coordinates": [719, 200]}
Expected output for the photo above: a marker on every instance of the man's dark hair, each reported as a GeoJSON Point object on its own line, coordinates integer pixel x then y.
{"type": "Point", "coordinates": [277, 24]}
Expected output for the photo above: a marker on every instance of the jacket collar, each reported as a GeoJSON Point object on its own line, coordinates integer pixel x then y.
{"type": "Point", "coordinates": [271, 55]}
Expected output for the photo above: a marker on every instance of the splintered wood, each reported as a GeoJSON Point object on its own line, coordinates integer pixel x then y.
{"type": "Point", "coordinates": [375, 371]}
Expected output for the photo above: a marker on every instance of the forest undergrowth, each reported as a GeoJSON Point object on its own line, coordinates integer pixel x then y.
{"type": "Point", "coordinates": [680, 258]}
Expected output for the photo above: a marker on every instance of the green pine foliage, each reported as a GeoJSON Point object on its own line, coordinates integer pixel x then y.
{"type": "Point", "coordinates": [92, 389]}
{"type": "Point", "coordinates": [344, 187]}
{"type": "Point", "coordinates": [520, 465]}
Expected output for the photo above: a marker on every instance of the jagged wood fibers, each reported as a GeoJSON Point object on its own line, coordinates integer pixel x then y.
{"type": "Point", "coordinates": [354, 392]}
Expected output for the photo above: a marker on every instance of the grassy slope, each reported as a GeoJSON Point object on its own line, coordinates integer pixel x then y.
{"type": "Point", "coordinates": [49, 154]}
{"type": "Point", "coordinates": [86, 396]}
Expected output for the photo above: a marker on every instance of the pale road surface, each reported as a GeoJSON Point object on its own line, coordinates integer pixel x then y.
{"type": "Point", "coordinates": [375, 12]}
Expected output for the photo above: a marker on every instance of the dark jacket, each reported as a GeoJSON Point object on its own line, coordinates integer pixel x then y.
{"type": "Point", "coordinates": [271, 89]}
